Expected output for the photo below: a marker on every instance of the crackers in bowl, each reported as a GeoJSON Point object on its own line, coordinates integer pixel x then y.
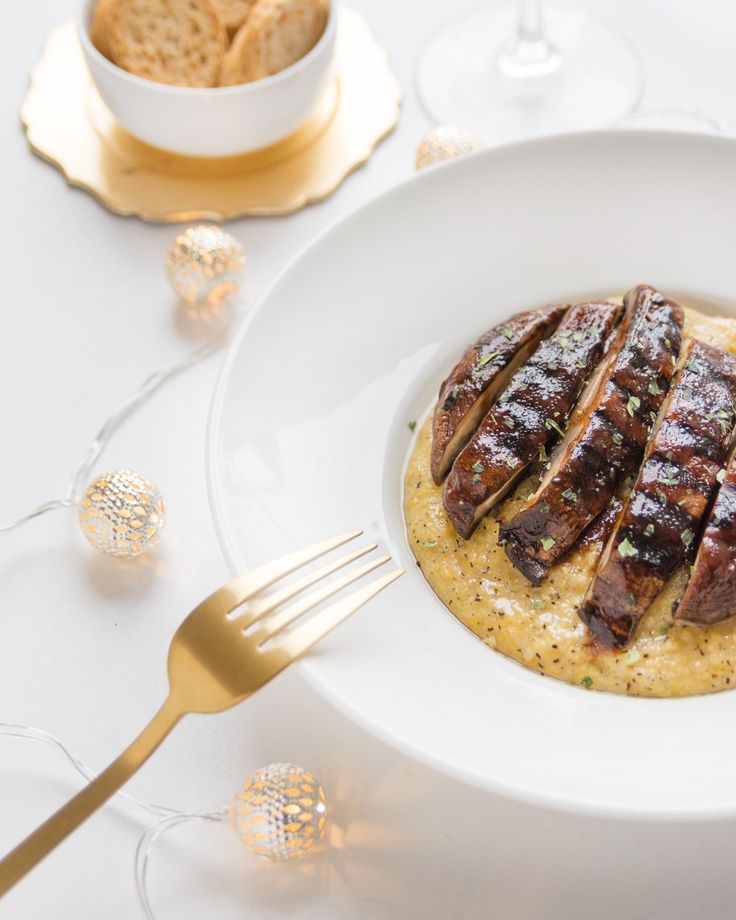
{"type": "Point", "coordinates": [205, 43]}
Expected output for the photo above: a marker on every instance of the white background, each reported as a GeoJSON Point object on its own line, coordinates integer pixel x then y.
{"type": "Point", "coordinates": [87, 314]}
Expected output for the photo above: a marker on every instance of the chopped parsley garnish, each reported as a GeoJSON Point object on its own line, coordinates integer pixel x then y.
{"type": "Point", "coordinates": [542, 453]}
{"type": "Point", "coordinates": [687, 392]}
{"type": "Point", "coordinates": [663, 630]}
{"type": "Point", "coordinates": [508, 422]}
{"type": "Point", "coordinates": [577, 336]}
{"type": "Point", "coordinates": [508, 332]}
{"type": "Point", "coordinates": [632, 656]}
{"type": "Point", "coordinates": [626, 548]}
{"type": "Point", "coordinates": [649, 530]}
{"type": "Point", "coordinates": [476, 478]}
{"type": "Point", "coordinates": [668, 343]}
{"type": "Point", "coordinates": [669, 478]}
{"type": "Point", "coordinates": [430, 543]}
{"type": "Point", "coordinates": [412, 425]}
{"type": "Point", "coordinates": [565, 334]}
{"type": "Point", "coordinates": [551, 424]}
{"type": "Point", "coordinates": [587, 682]}
{"type": "Point", "coordinates": [654, 388]}
{"type": "Point", "coordinates": [631, 599]}
{"type": "Point", "coordinates": [618, 438]}
{"type": "Point", "coordinates": [570, 495]}
{"type": "Point", "coordinates": [632, 405]}
{"type": "Point", "coordinates": [537, 603]}
{"type": "Point", "coordinates": [547, 543]}
{"type": "Point", "coordinates": [581, 364]}
{"type": "Point", "coordinates": [721, 475]}
{"type": "Point", "coordinates": [653, 417]}
{"type": "Point", "coordinates": [565, 345]}
{"type": "Point", "coordinates": [454, 392]}
{"type": "Point", "coordinates": [478, 466]}
{"type": "Point", "coordinates": [487, 358]}
{"type": "Point", "coordinates": [687, 537]}
{"type": "Point", "coordinates": [511, 463]}
{"type": "Point", "coordinates": [691, 365]}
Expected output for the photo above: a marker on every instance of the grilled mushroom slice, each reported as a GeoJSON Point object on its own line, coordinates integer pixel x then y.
{"type": "Point", "coordinates": [529, 414]}
{"type": "Point", "coordinates": [606, 439]}
{"type": "Point", "coordinates": [670, 496]}
{"type": "Point", "coordinates": [710, 596]}
{"type": "Point", "coordinates": [483, 371]}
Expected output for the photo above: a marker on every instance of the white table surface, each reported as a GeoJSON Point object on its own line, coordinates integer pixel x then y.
{"type": "Point", "coordinates": [87, 314]}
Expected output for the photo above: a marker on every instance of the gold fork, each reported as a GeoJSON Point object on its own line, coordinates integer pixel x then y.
{"type": "Point", "coordinates": [220, 655]}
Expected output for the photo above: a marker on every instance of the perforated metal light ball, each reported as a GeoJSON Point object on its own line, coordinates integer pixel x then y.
{"type": "Point", "coordinates": [205, 265]}
{"type": "Point", "coordinates": [280, 812]}
{"type": "Point", "coordinates": [121, 513]}
{"type": "Point", "coordinates": [443, 143]}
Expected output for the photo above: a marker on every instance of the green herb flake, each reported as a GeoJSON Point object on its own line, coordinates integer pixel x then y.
{"type": "Point", "coordinates": [669, 478]}
{"type": "Point", "coordinates": [664, 629]}
{"type": "Point", "coordinates": [692, 570]}
{"type": "Point", "coordinates": [430, 543]}
{"type": "Point", "coordinates": [511, 463]}
{"type": "Point", "coordinates": [632, 405]}
{"type": "Point", "coordinates": [581, 364]}
{"type": "Point", "coordinates": [542, 453]}
{"type": "Point", "coordinates": [537, 603]}
{"type": "Point", "coordinates": [547, 543]}
{"type": "Point", "coordinates": [508, 422]}
{"type": "Point", "coordinates": [721, 475]}
{"type": "Point", "coordinates": [618, 438]}
{"type": "Point", "coordinates": [668, 343]}
{"type": "Point", "coordinates": [654, 388]}
{"type": "Point", "coordinates": [570, 495]}
{"type": "Point", "coordinates": [632, 656]}
{"type": "Point", "coordinates": [508, 332]}
{"type": "Point", "coordinates": [687, 537]}
{"type": "Point", "coordinates": [649, 530]}
{"type": "Point", "coordinates": [626, 548]}
{"type": "Point", "coordinates": [587, 682]}
{"type": "Point", "coordinates": [653, 417]}
{"type": "Point", "coordinates": [476, 478]}
{"type": "Point", "coordinates": [565, 334]}
{"type": "Point", "coordinates": [686, 393]}
{"type": "Point", "coordinates": [454, 392]}
{"type": "Point", "coordinates": [691, 365]}
{"type": "Point", "coordinates": [565, 345]}
{"type": "Point", "coordinates": [577, 336]}
{"type": "Point", "coordinates": [478, 466]}
{"type": "Point", "coordinates": [631, 600]}
{"type": "Point", "coordinates": [552, 425]}
{"type": "Point", "coordinates": [486, 359]}
{"type": "Point", "coordinates": [412, 425]}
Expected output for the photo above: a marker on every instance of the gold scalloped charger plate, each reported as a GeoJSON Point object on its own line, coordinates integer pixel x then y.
{"type": "Point", "coordinates": [67, 123]}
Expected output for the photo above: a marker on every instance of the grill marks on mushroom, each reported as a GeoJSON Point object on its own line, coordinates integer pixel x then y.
{"type": "Point", "coordinates": [657, 528]}
{"type": "Point", "coordinates": [710, 596]}
{"type": "Point", "coordinates": [605, 442]}
{"type": "Point", "coordinates": [529, 414]}
{"type": "Point", "coordinates": [476, 380]}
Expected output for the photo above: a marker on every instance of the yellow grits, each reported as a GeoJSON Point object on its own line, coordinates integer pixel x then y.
{"type": "Point", "coordinates": [539, 627]}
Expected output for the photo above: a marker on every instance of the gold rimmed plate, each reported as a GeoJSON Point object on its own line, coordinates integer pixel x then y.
{"type": "Point", "coordinates": [67, 123]}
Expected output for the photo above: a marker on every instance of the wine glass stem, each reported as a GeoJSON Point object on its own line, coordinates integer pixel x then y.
{"type": "Point", "coordinates": [529, 54]}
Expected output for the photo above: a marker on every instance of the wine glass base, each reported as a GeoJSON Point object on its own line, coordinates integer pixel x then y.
{"type": "Point", "coordinates": [462, 76]}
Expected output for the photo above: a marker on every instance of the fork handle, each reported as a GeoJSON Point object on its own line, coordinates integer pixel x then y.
{"type": "Point", "coordinates": [68, 818]}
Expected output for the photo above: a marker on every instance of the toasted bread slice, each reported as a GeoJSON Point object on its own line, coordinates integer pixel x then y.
{"type": "Point", "coordinates": [232, 13]}
{"type": "Point", "coordinates": [275, 34]}
{"type": "Point", "coordinates": [180, 42]}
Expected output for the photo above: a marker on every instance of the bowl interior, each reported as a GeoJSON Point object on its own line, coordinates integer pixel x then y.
{"type": "Point", "coordinates": [309, 435]}
{"type": "Point", "coordinates": [84, 20]}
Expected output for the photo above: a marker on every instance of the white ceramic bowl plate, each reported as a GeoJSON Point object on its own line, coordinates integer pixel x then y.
{"type": "Point", "coordinates": [309, 438]}
{"type": "Point", "coordinates": [218, 121]}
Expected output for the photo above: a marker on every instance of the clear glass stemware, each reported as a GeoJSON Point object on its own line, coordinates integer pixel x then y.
{"type": "Point", "coordinates": [516, 70]}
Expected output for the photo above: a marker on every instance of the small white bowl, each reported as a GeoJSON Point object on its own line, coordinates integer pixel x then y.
{"type": "Point", "coordinates": [217, 121]}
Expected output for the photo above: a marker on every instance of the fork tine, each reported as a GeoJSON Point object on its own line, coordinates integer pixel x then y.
{"type": "Point", "coordinates": [299, 640]}
{"type": "Point", "coordinates": [240, 589]}
{"type": "Point", "coordinates": [258, 609]}
{"type": "Point", "coordinates": [280, 620]}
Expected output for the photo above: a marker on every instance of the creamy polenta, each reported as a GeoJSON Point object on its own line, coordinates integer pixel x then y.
{"type": "Point", "coordinates": [539, 627]}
